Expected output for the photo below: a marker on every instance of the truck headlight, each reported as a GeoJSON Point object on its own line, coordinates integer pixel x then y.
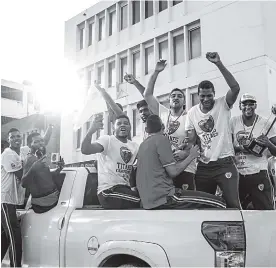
{"type": "Point", "coordinates": [228, 241]}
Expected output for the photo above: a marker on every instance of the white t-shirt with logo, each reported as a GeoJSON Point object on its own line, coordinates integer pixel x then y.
{"type": "Point", "coordinates": [12, 191]}
{"type": "Point", "coordinates": [115, 162]}
{"type": "Point", "coordinates": [213, 129]}
{"type": "Point", "coordinates": [175, 131]}
{"type": "Point", "coordinates": [247, 163]}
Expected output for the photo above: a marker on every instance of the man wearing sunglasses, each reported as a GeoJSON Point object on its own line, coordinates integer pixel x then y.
{"type": "Point", "coordinates": [254, 185]}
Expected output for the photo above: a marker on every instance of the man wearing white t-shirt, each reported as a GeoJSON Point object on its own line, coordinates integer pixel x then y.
{"type": "Point", "coordinates": [210, 121]}
{"type": "Point", "coordinates": [174, 121]}
{"type": "Point", "coordinates": [12, 195]}
{"type": "Point", "coordinates": [115, 157]}
{"type": "Point", "coordinates": [255, 184]}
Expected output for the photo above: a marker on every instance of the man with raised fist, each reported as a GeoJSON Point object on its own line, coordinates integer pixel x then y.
{"type": "Point", "coordinates": [210, 121]}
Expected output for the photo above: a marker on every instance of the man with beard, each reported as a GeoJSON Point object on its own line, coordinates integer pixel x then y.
{"type": "Point", "coordinates": [174, 120]}
{"type": "Point", "coordinates": [115, 109]}
{"type": "Point", "coordinates": [157, 167]}
{"type": "Point", "coordinates": [210, 121]}
{"type": "Point", "coordinates": [12, 194]}
{"type": "Point", "coordinates": [37, 177]}
{"type": "Point", "coordinates": [115, 157]}
{"type": "Point", "coordinates": [255, 184]}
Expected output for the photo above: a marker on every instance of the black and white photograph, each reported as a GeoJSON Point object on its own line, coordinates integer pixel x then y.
{"type": "Point", "coordinates": [138, 133]}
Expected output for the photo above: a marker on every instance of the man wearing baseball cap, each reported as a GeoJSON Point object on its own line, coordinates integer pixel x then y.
{"type": "Point", "coordinates": [254, 184]}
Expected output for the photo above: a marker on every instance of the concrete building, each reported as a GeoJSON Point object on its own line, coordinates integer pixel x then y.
{"type": "Point", "coordinates": [114, 37]}
{"type": "Point", "coordinates": [17, 100]}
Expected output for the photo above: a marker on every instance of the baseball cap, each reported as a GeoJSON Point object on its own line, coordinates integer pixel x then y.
{"type": "Point", "coordinates": [247, 97]}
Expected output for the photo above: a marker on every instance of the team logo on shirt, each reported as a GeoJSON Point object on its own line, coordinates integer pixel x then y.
{"type": "Point", "coordinates": [261, 187]}
{"type": "Point", "coordinates": [172, 127]}
{"type": "Point", "coordinates": [207, 125]}
{"type": "Point", "coordinates": [126, 154]}
{"type": "Point", "coordinates": [228, 175]}
{"type": "Point", "coordinates": [243, 137]}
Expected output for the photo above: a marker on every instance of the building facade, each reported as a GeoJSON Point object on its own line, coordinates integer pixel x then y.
{"type": "Point", "coordinates": [115, 37]}
{"type": "Point", "coordinates": [17, 101]}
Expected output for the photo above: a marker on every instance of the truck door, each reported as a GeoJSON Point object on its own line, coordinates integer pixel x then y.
{"type": "Point", "coordinates": [41, 232]}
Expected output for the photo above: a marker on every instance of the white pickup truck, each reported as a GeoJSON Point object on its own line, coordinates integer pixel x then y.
{"type": "Point", "coordinates": [79, 232]}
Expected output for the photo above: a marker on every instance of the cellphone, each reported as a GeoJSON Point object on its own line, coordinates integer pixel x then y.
{"type": "Point", "coordinates": [38, 154]}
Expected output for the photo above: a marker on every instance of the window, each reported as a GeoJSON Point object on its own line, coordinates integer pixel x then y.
{"type": "Point", "coordinates": [177, 2]}
{"type": "Point", "coordinates": [163, 50]}
{"type": "Point", "coordinates": [148, 9]}
{"type": "Point", "coordinates": [194, 99]}
{"type": "Point", "coordinates": [163, 5]}
{"type": "Point", "coordinates": [111, 74]}
{"type": "Point", "coordinates": [101, 28]}
{"type": "Point", "coordinates": [78, 138]}
{"type": "Point", "coordinates": [136, 64]}
{"type": "Point", "coordinates": [123, 68]}
{"type": "Point", "coordinates": [112, 22]}
{"type": "Point", "coordinates": [178, 49]}
{"type": "Point", "coordinates": [100, 77]}
{"type": "Point", "coordinates": [81, 36]}
{"type": "Point", "coordinates": [194, 43]}
{"type": "Point", "coordinates": [11, 93]}
{"type": "Point", "coordinates": [136, 126]}
{"type": "Point", "coordinates": [135, 12]}
{"type": "Point", "coordinates": [90, 33]}
{"type": "Point", "coordinates": [149, 59]}
{"type": "Point", "coordinates": [123, 22]}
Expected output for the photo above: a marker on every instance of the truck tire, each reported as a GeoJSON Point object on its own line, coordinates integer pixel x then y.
{"type": "Point", "coordinates": [131, 265]}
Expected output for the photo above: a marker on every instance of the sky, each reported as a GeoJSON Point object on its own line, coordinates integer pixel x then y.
{"type": "Point", "coordinates": [32, 45]}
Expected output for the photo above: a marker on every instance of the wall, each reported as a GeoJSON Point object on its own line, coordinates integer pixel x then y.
{"type": "Point", "coordinates": [241, 45]}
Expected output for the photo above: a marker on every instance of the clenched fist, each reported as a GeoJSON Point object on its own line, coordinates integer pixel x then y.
{"type": "Point", "coordinates": [213, 57]}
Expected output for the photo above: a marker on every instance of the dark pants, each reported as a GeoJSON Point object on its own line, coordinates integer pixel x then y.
{"type": "Point", "coordinates": [256, 188]}
{"type": "Point", "coordinates": [12, 237]}
{"type": "Point", "coordinates": [185, 181]}
{"type": "Point", "coordinates": [222, 173]}
{"type": "Point", "coordinates": [42, 209]}
{"type": "Point", "coordinates": [192, 200]}
{"type": "Point", "coordinates": [119, 197]}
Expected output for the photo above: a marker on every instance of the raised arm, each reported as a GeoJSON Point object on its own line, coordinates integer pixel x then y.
{"type": "Point", "coordinates": [48, 134]}
{"type": "Point", "coordinates": [87, 147]}
{"type": "Point", "coordinates": [132, 80]}
{"type": "Point", "coordinates": [234, 91]}
{"type": "Point", "coordinates": [109, 101]}
{"type": "Point", "coordinates": [149, 98]}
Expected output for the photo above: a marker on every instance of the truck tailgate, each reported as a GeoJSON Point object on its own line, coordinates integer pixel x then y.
{"type": "Point", "coordinates": [260, 230]}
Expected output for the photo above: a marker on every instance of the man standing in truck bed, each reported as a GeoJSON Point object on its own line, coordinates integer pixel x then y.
{"type": "Point", "coordinates": [210, 121]}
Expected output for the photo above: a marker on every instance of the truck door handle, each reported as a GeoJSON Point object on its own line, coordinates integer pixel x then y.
{"type": "Point", "coordinates": [61, 223]}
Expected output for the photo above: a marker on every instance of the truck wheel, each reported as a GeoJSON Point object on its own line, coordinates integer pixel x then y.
{"type": "Point", "coordinates": [131, 265]}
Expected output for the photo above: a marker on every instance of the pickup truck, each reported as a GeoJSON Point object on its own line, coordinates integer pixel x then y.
{"type": "Point", "coordinates": [79, 232]}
